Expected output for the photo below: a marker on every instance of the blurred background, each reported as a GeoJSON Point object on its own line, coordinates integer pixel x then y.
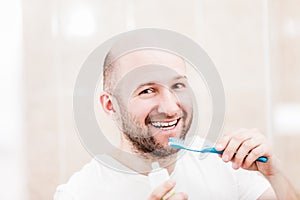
{"type": "Point", "coordinates": [255, 46]}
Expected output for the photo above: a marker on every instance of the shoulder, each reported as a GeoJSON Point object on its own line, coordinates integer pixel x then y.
{"type": "Point", "coordinates": [88, 178]}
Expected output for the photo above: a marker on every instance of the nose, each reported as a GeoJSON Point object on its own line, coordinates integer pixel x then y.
{"type": "Point", "coordinates": [169, 103]}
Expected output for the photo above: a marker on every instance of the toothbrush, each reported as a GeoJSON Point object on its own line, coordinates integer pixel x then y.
{"type": "Point", "coordinates": [179, 144]}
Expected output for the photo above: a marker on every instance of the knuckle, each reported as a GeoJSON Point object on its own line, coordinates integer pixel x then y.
{"type": "Point", "coordinates": [239, 157]}
{"type": "Point", "coordinates": [235, 140]}
{"type": "Point", "coordinates": [239, 137]}
{"type": "Point", "coordinates": [248, 144]}
{"type": "Point", "coordinates": [256, 152]}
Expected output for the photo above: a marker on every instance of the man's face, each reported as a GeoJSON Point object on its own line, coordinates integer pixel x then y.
{"type": "Point", "coordinates": [154, 101]}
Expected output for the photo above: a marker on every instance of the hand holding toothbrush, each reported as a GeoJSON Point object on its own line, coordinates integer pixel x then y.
{"type": "Point", "coordinates": [243, 147]}
{"type": "Point", "coordinates": [250, 150]}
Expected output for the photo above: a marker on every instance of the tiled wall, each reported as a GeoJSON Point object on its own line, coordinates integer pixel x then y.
{"type": "Point", "coordinates": [285, 41]}
{"type": "Point", "coordinates": [231, 32]}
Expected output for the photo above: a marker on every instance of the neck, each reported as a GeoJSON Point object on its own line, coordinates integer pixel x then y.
{"type": "Point", "coordinates": [141, 163]}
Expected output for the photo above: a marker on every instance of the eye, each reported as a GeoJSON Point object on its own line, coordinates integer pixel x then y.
{"type": "Point", "coordinates": [178, 86]}
{"type": "Point", "coordinates": [147, 91]}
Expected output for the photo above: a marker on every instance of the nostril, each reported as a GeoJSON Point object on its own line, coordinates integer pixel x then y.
{"type": "Point", "coordinates": [168, 108]}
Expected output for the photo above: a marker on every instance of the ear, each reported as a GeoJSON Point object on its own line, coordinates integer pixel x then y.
{"type": "Point", "coordinates": [106, 103]}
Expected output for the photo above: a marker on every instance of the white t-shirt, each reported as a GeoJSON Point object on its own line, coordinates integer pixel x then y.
{"type": "Point", "coordinates": [208, 178]}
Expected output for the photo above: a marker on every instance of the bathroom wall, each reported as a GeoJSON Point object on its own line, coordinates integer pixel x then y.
{"type": "Point", "coordinates": [254, 45]}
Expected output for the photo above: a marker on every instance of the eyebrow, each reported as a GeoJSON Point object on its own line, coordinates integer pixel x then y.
{"type": "Point", "coordinates": [179, 77]}
{"type": "Point", "coordinates": [154, 83]}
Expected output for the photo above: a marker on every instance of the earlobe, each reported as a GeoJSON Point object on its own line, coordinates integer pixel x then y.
{"type": "Point", "coordinates": [106, 103]}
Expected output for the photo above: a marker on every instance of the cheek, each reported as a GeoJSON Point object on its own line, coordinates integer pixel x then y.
{"type": "Point", "coordinates": [185, 101]}
{"type": "Point", "coordinates": [140, 109]}
{"type": "Point", "coordinates": [188, 109]}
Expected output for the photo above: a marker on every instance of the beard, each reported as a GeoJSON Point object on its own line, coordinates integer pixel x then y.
{"type": "Point", "coordinates": [141, 138]}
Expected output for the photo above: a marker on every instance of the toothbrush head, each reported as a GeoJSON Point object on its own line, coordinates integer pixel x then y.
{"type": "Point", "coordinates": [176, 143]}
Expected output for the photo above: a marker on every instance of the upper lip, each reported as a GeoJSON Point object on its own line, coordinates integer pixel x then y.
{"type": "Point", "coordinates": [165, 121]}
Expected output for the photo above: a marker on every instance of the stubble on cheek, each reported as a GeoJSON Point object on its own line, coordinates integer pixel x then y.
{"type": "Point", "coordinates": [148, 145]}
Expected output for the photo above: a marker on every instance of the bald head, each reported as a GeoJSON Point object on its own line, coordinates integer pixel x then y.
{"type": "Point", "coordinates": [116, 67]}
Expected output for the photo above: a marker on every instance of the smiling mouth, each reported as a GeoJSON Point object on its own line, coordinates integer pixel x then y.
{"type": "Point", "coordinates": [165, 125]}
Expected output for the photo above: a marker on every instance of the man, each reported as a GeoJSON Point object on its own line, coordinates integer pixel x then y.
{"type": "Point", "coordinates": [146, 93]}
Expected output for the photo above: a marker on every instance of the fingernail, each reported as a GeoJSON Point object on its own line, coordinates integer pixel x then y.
{"type": "Point", "coordinates": [226, 158]}
{"type": "Point", "coordinates": [234, 166]}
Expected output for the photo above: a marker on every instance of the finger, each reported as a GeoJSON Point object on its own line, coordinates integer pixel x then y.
{"type": "Point", "coordinates": [234, 143]}
{"type": "Point", "coordinates": [222, 143]}
{"type": "Point", "coordinates": [253, 155]}
{"type": "Point", "coordinates": [244, 150]}
{"type": "Point", "coordinates": [179, 196]}
{"type": "Point", "coordinates": [162, 190]}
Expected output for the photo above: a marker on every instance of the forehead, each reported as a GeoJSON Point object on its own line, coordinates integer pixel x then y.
{"type": "Point", "coordinates": [139, 58]}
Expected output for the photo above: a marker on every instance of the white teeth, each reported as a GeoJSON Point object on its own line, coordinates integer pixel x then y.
{"type": "Point", "coordinates": [172, 123]}
{"type": "Point", "coordinates": [164, 124]}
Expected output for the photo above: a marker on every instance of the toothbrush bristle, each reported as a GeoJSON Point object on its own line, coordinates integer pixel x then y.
{"type": "Point", "coordinates": [176, 141]}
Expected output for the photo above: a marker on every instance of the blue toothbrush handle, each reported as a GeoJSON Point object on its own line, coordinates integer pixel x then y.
{"type": "Point", "coordinates": [262, 159]}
